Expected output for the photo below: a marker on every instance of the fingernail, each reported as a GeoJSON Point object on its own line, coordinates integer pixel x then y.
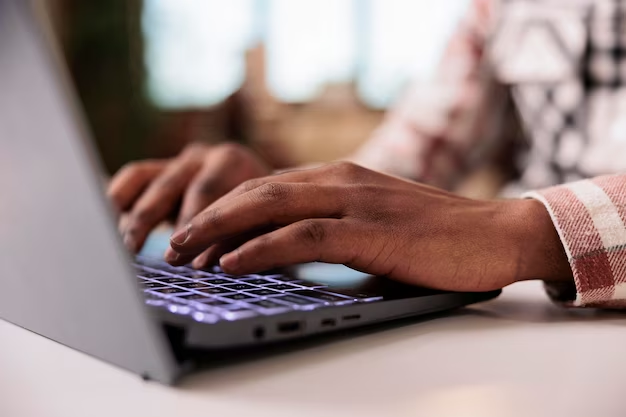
{"type": "Point", "coordinates": [130, 242]}
{"type": "Point", "coordinates": [171, 255]}
{"type": "Point", "coordinates": [181, 235]}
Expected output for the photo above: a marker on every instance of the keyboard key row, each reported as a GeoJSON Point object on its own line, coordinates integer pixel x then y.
{"type": "Point", "coordinates": [257, 281]}
{"type": "Point", "coordinates": [238, 296]}
{"type": "Point", "coordinates": [240, 287]}
{"type": "Point", "coordinates": [231, 307]}
{"type": "Point", "coordinates": [170, 290]}
{"type": "Point", "coordinates": [148, 284]}
{"type": "Point", "coordinates": [228, 301]}
{"type": "Point", "coordinates": [282, 287]}
{"type": "Point", "coordinates": [264, 292]}
{"type": "Point", "coordinates": [218, 281]}
{"type": "Point", "coordinates": [276, 282]}
{"type": "Point", "coordinates": [193, 284]}
{"type": "Point", "coordinates": [171, 280]}
{"type": "Point", "coordinates": [146, 274]}
{"type": "Point", "coordinates": [235, 291]}
{"type": "Point", "coordinates": [214, 290]}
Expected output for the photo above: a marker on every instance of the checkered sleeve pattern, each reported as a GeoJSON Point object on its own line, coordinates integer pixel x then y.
{"type": "Point", "coordinates": [590, 217]}
{"type": "Point", "coordinates": [430, 134]}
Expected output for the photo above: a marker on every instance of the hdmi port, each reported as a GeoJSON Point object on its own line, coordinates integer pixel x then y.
{"type": "Point", "coordinates": [289, 327]}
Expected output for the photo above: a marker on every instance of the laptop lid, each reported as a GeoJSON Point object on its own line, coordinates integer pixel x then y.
{"type": "Point", "coordinates": [63, 272]}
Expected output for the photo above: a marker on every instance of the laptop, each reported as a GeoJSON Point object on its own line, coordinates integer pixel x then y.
{"type": "Point", "coordinates": [65, 275]}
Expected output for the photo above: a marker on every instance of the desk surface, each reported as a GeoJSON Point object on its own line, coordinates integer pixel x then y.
{"type": "Point", "coordinates": [516, 356]}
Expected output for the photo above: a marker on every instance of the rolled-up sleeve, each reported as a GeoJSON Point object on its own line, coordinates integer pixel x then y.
{"type": "Point", "coordinates": [590, 218]}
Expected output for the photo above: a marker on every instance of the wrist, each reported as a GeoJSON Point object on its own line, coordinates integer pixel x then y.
{"type": "Point", "coordinates": [540, 252]}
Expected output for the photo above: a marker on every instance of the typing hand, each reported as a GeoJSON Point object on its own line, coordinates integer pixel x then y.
{"type": "Point", "coordinates": [382, 225]}
{"type": "Point", "coordinates": [147, 192]}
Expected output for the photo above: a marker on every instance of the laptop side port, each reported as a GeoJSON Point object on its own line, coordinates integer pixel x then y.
{"type": "Point", "coordinates": [259, 333]}
{"type": "Point", "coordinates": [351, 317]}
{"type": "Point", "coordinates": [289, 327]}
{"type": "Point", "coordinates": [328, 322]}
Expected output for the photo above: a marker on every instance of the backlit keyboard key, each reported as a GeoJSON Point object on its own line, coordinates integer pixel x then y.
{"type": "Point", "coordinates": [237, 296]}
{"type": "Point", "coordinates": [191, 284]}
{"type": "Point", "coordinates": [240, 287]}
{"type": "Point", "coordinates": [214, 290]}
{"type": "Point", "coordinates": [282, 287]}
{"type": "Point", "coordinates": [258, 281]}
{"type": "Point", "coordinates": [264, 292]}
{"type": "Point", "coordinates": [170, 290]}
{"type": "Point", "coordinates": [153, 285]}
{"type": "Point", "coordinates": [171, 280]}
{"type": "Point", "coordinates": [218, 281]}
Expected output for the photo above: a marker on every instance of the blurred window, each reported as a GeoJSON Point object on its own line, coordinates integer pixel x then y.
{"type": "Point", "coordinates": [195, 48]}
{"type": "Point", "coordinates": [309, 43]}
{"type": "Point", "coordinates": [405, 40]}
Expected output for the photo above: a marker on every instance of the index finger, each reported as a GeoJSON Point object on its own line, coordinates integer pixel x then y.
{"type": "Point", "coordinates": [211, 183]}
{"type": "Point", "coordinates": [273, 204]}
{"type": "Point", "coordinates": [294, 176]}
{"type": "Point", "coordinates": [128, 183]}
{"type": "Point", "coordinates": [157, 201]}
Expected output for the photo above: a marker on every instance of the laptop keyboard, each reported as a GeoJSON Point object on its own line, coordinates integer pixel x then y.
{"type": "Point", "coordinates": [211, 295]}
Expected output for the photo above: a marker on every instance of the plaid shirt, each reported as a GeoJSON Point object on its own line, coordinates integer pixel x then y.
{"type": "Point", "coordinates": [548, 76]}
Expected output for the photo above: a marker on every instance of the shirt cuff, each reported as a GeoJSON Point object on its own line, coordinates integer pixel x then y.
{"type": "Point", "coordinates": [589, 218]}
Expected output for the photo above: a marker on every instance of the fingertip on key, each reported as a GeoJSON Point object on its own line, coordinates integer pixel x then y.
{"type": "Point", "coordinates": [229, 262]}
{"type": "Point", "coordinates": [171, 256]}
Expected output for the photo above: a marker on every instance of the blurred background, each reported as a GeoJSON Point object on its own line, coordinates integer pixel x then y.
{"type": "Point", "coordinates": [298, 80]}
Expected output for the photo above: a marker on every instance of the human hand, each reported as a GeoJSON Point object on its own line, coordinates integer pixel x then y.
{"type": "Point", "coordinates": [378, 224]}
{"type": "Point", "coordinates": [147, 192]}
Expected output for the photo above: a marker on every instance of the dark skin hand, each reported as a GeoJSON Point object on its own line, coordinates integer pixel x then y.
{"type": "Point", "coordinates": [382, 225]}
{"type": "Point", "coordinates": [149, 192]}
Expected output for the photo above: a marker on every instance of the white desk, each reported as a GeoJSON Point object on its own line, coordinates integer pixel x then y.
{"type": "Point", "coordinates": [515, 356]}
